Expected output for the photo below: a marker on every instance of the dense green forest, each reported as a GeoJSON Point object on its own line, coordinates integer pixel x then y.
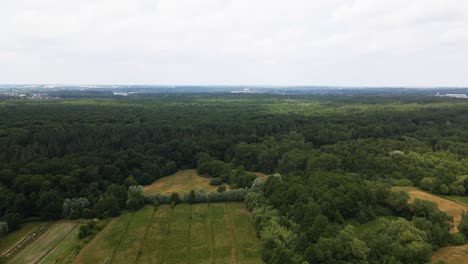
{"type": "Point", "coordinates": [333, 160]}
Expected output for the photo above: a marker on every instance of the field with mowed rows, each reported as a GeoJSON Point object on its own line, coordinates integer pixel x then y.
{"type": "Point", "coordinates": [50, 246]}
{"type": "Point", "coordinates": [199, 233]}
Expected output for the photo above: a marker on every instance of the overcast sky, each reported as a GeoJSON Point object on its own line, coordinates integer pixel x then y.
{"type": "Point", "coordinates": [277, 42]}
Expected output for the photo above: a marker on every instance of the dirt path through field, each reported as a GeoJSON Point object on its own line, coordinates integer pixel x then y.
{"type": "Point", "coordinates": [450, 207]}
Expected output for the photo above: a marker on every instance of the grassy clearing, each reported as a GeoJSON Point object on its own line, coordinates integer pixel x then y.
{"type": "Point", "coordinates": [452, 208]}
{"type": "Point", "coordinates": [182, 181]}
{"type": "Point", "coordinates": [12, 238]}
{"type": "Point", "coordinates": [199, 233]}
{"type": "Point", "coordinates": [45, 244]}
{"type": "Point", "coordinates": [451, 255]}
{"type": "Point", "coordinates": [103, 245]}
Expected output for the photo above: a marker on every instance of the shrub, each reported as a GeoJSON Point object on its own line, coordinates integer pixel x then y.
{"type": "Point", "coordinates": [73, 208]}
{"type": "Point", "coordinates": [175, 198]}
{"type": "Point", "coordinates": [13, 220]}
{"type": "Point", "coordinates": [402, 182]}
{"type": "Point", "coordinates": [84, 231]}
{"type": "Point", "coordinates": [135, 198]}
{"type": "Point", "coordinates": [216, 181]}
{"type": "Point", "coordinates": [463, 226]}
{"type": "Point", "coordinates": [87, 213]}
{"type": "Point", "coordinates": [428, 183]}
{"type": "Point", "coordinates": [457, 189]}
{"type": "Point", "coordinates": [3, 228]}
{"type": "Point", "coordinates": [443, 189]}
{"type": "Point", "coordinates": [221, 189]}
{"type": "Point", "coordinates": [155, 204]}
{"type": "Point", "coordinates": [457, 239]}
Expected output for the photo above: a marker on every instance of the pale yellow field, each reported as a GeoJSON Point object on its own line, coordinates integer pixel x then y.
{"type": "Point", "coordinates": [180, 182]}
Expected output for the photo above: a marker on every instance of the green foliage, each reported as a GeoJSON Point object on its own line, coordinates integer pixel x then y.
{"type": "Point", "coordinates": [135, 198]}
{"type": "Point", "coordinates": [3, 228]}
{"type": "Point", "coordinates": [435, 223]}
{"type": "Point", "coordinates": [346, 247]}
{"type": "Point", "coordinates": [221, 189]}
{"type": "Point", "coordinates": [398, 201]}
{"type": "Point", "coordinates": [191, 198]}
{"type": "Point", "coordinates": [216, 181]}
{"type": "Point", "coordinates": [73, 208]}
{"type": "Point", "coordinates": [457, 239]}
{"type": "Point", "coordinates": [463, 226]}
{"type": "Point", "coordinates": [84, 231]}
{"type": "Point", "coordinates": [175, 199]}
{"type": "Point", "coordinates": [51, 204]}
{"type": "Point", "coordinates": [397, 241]}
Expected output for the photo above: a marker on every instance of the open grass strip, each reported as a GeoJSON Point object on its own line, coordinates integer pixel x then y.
{"type": "Point", "coordinates": [28, 239]}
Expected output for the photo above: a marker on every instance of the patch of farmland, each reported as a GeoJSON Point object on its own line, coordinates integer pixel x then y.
{"type": "Point", "coordinates": [127, 250]}
{"type": "Point", "coordinates": [450, 207]}
{"type": "Point", "coordinates": [62, 248]}
{"type": "Point", "coordinates": [156, 233]}
{"type": "Point", "coordinates": [199, 233]}
{"type": "Point", "coordinates": [11, 240]}
{"type": "Point", "coordinates": [102, 246]}
{"type": "Point", "coordinates": [45, 244]}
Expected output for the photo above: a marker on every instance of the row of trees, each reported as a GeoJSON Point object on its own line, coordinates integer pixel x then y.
{"type": "Point", "coordinates": [199, 196]}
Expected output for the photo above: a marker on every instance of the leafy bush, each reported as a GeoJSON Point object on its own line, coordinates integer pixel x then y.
{"type": "Point", "coordinates": [3, 228]}
{"type": "Point", "coordinates": [457, 239]}
{"type": "Point", "coordinates": [135, 198]}
{"type": "Point", "coordinates": [216, 181]}
{"type": "Point", "coordinates": [221, 189]}
{"type": "Point", "coordinates": [83, 232]}
{"type": "Point", "coordinates": [463, 226]}
{"type": "Point", "coordinates": [73, 208]}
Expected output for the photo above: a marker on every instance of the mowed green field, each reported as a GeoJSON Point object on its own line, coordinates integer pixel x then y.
{"type": "Point", "coordinates": [49, 246]}
{"type": "Point", "coordinates": [199, 233]}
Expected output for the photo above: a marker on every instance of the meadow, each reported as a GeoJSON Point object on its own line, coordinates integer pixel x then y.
{"type": "Point", "coordinates": [180, 182]}
{"type": "Point", "coordinates": [9, 241]}
{"type": "Point", "coordinates": [46, 248]}
{"type": "Point", "coordinates": [198, 233]}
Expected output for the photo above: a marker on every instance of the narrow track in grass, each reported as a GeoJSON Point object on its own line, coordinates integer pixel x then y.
{"type": "Point", "coordinates": [56, 244]}
{"type": "Point", "coordinates": [165, 238]}
{"type": "Point", "coordinates": [121, 238]}
{"type": "Point", "coordinates": [145, 236]}
{"type": "Point", "coordinates": [212, 238]}
{"type": "Point", "coordinates": [189, 243]}
{"type": "Point", "coordinates": [235, 246]}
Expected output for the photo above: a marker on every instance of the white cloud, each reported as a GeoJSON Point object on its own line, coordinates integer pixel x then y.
{"type": "Point", "coordinates": [332, 42]}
